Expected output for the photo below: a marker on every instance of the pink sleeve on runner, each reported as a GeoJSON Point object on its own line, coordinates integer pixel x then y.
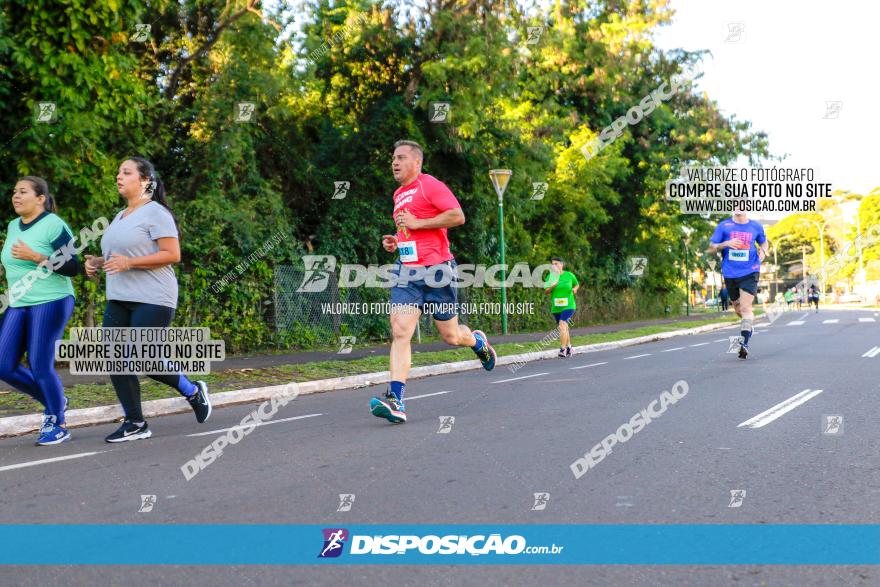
{"type": "Point", "coordinates": [440, 196]}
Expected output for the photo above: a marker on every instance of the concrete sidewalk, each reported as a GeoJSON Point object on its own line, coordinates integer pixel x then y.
{"type": "Point", "coordinates": [16, 425]}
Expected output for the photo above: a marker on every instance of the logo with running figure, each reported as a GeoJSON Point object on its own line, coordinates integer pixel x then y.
{"type": "Point", "coordinates": [735, 32]}
{"type": "Point", "coordinates": [317, 273]}
{"type": "Point", "coordinates": [773, 311]}
{"type": "Point", "coordinates": [832, 109]}
{"type": "Point", "coordinates": [334, 541]}
{"type": "Point", "coordinates": [45, 112]}
{"type": "Point", "coordinates": [439, 112]}
{"type": "Point", "coordinates": [446, 424]}
{"type": "Point", "coordinates": [737, 496]}
{"type": "Point", "coordinates": [535, 33]}
{"type": "Point", "coordinates": [141, 33]}
{"type": "Point", "coordinates": [539, 190]}
{"type": "Point", "coordinates": [346, 344]}
{"type": "Point", "coordinates": [147, 503]}
{"type": "Point", "coordinates": [346, 500]}
{"type": "Point", "coordinates": [340, 189]}
{"type": "Point", "coordinates": [541, 501]}
{"type": "Point", "coordinates": [832, 425]}
{"type": "Point", "coordinates": [244, 112]}
{"type": "Point", "coordinates": [637, 266]}
{"type": "Point", "coordinates": [735, 342]}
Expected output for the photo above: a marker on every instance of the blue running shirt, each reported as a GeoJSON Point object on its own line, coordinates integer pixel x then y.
{"type": "Point", "coordinates": [743, 261]}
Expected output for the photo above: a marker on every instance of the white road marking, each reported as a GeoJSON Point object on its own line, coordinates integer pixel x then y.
{"type": "Point", "coordinates": [678, 348]}
{"type": "Point", "coordinates": [519, 378]}
{"type": "Point", "coordinates": [590, 365]}
{"type": "Point", "coordinates": [832, 321]}
{"type": "Point", "coordinates": [866, 320]}
{"type": "Point", "coordinates": [873, 352]}
{"type": "Point", "coordinates": [795, 323]}
{"type": "Point", "coordinates": [720, 340]}
{"type": "Point", "coordinates": [780, 409]}
{"type": "Point", "coordinates": [239, 427]}
{"type": "Point", "coordinates": [700, 344]}
{"type": "Point", "coordinates": [637, 356]}
{"type": "Point", "coordinates": [412, 397]}
{"type": "Point", "coordinates": [52, 460]}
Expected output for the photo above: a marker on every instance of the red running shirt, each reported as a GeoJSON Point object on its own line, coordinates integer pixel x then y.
{"type": "Point", "coordinates": [426, 197]}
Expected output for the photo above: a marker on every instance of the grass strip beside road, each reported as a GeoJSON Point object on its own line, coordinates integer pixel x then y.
{"type": "Point", "coordinates": [13, 403]}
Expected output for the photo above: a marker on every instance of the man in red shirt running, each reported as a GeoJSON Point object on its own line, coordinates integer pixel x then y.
{"type": "Point", "coordinates": [424, 208]}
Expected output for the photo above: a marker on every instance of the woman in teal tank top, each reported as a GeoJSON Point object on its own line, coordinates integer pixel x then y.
{"type": "Point", "coordinates": [38, 302]}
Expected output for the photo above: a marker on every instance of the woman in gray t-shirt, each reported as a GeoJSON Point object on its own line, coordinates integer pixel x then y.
{"type": "Point", "coordinates": [137, 254]}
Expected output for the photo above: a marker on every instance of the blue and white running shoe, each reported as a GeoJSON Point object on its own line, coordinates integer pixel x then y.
{"type": "Point", "coordinates": [53, 434]}
{"type": "Point", "coordinates": [49, 421]}
{"type": "Point", "coordinates": [389, 407]}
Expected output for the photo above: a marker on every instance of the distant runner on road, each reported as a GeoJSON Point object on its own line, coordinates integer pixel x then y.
{"type": "Point", "coordinates": [562, 286]}
{"type": "Point", "coordinates": [737, 237]}
{"type": "Point", "coordinates": [813, 296]}
{"type": "Point", "coordinates": [789, 297]}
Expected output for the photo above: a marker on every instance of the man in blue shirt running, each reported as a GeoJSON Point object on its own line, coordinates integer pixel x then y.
{"type": "Point", "coordinates": [744, 246]}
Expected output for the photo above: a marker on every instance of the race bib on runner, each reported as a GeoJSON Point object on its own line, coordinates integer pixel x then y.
{"type": "Point", "coordinates": [738, 255]}
{"type": "Point", "coordinates": [407, 250]}
{"type": "Point", "coordinates": [560, 302]}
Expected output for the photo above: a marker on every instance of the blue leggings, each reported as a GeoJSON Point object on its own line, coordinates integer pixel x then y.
{"type": "Point", "coordinates": [35, 329]}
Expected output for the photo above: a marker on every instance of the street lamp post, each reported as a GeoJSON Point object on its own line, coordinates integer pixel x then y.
{"type": "Point", "coordinates": [500, 178]}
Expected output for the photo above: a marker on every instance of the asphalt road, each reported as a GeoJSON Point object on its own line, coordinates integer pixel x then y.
{"type": "Point", "coordinates": [757, 425]}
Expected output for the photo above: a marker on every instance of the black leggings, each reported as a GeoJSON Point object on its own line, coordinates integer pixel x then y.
{"type": "Point", "coordinates": [135, 315]}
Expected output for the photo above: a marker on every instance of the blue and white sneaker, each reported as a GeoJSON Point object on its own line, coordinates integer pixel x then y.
{"type": "Point", "coordinates": [49, 421]}
{"type": "Point", "coordinates": [53, 434]}
{"type": "Point", "coordinates": [389, 407]}
{"type": "Point", "coordinates": [486, 354]}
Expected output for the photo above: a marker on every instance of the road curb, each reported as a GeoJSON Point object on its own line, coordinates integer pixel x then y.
{"type": "Point", "coordinates": [18, 425]}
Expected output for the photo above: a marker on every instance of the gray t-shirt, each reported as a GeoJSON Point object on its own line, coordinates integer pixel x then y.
{"type": "Point", "coordinates": [135, 236]}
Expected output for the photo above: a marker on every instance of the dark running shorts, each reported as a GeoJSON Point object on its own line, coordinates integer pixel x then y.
{"type": "Point", "coordinates": [747, 283]}
{"type": "Point", "coordinates": [442, 298]}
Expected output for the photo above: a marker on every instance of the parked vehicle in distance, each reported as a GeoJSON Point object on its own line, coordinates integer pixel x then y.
{"type": "Point", "coordinates": [850, 298]}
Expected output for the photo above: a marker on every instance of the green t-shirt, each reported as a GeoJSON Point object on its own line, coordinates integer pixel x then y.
{"type": "Point", "coordinates": [47, 286]}
{"type": "Point", "coordinates": [561, 298]}
{"type": "Point", "coordinates": [789, 296]}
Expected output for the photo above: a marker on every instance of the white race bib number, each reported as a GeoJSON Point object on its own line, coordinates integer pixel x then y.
{"type": "Point", "coordinates": [739, 255]}
{"type": "Point", "coordinates": [407, 250]}
{"type": "Point", "coordinates": [560, 302]}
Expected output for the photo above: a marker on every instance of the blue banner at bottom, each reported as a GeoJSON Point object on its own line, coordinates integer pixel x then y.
{"type": "Point", "coordinates": [646, 544]}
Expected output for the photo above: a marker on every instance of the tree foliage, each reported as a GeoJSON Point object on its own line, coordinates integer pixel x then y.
{"type": "Point", "coordinates": [331, 98]}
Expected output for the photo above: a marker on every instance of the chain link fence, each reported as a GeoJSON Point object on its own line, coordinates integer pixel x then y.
{"type": "Point", "coordinates": [309, 317]}
{"type": "Point", "coordinates": [305, 315]}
